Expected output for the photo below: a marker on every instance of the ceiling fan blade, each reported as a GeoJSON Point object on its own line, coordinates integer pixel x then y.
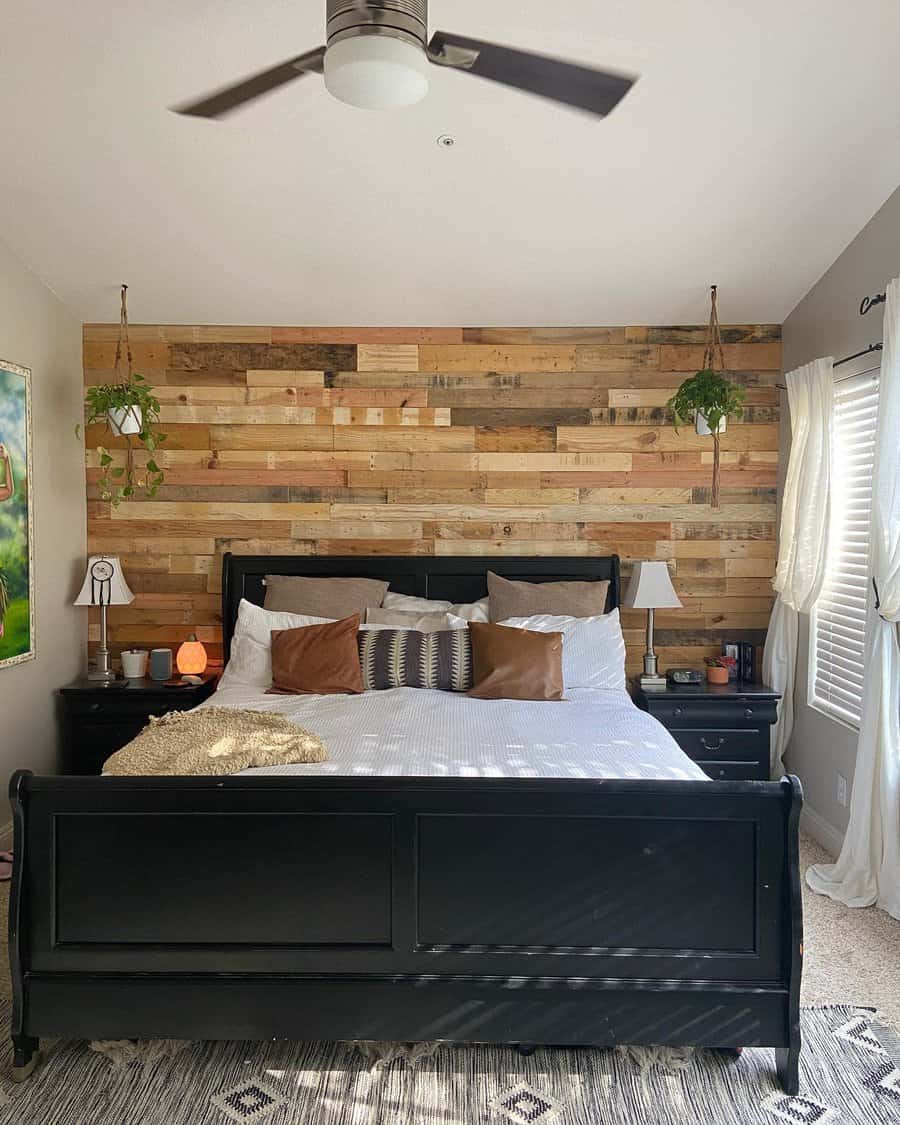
{"type": "Point", "coordinates": [597, 91]}
{"type": "Point", "coordinates": [232, 97]}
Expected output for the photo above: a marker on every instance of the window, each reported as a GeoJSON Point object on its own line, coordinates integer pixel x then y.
{"type": "Point", "coordinates": [838, 624]}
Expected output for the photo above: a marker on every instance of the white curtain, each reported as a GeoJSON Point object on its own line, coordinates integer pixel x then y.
{"type": "Point", "coordinates": [868, 868]}
{"type": "Point", "coordinates": [803, 534]}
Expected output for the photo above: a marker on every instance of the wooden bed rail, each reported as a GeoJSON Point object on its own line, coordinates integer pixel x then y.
{"type": "Point", "coordinates": [520, 911]}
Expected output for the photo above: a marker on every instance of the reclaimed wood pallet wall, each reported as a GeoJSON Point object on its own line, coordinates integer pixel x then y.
{"type": "Point", "coordinates": [480, 441]}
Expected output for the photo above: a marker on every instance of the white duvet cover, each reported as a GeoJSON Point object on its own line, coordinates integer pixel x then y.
{"type": "Point", "coordinates": [418, 733]}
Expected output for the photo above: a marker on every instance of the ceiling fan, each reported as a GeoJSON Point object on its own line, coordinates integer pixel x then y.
{"type": "Point", "coordinates": [378, 57]}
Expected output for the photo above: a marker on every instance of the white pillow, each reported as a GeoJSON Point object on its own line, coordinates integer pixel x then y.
{"type": "Point", "coordinates": [249, 665]}
{"type": "Point", "coordinates": [593, 647]}
{"type": "Point", "coordinates": [250, 662]}
{"type": "Point", "coordinates": [469, 611]}
{"type": "Point", "coordinates": [258, 623]}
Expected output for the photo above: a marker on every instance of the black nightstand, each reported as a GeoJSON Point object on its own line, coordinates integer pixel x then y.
{"type": "Point", "coordinates": [725, 729]}
{"type": "Point", "coordinates": [99, 720]}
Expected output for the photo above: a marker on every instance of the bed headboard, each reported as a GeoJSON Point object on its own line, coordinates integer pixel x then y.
{"type": "Point", "coordinates": [425, 576]}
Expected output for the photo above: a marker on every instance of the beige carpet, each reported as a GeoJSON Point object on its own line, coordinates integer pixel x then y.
{"type": "Point", "coordinates": [852, 956]}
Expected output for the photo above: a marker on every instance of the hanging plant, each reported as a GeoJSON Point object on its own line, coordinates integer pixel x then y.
{"type": "Point", "coordinates": [131, 411]}
{"type": "Point", "coordinates": [709, 398]}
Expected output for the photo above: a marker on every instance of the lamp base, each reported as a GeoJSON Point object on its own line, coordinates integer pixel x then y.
{"type": "Point", "coordinates": [653, 683]}
{"type": "Point", "coordinates": [106, 676]}
{"type": "Point", "coordinates": [100, 669]}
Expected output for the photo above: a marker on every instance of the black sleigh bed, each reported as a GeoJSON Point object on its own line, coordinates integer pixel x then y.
{"type": "Point", "coordinates": [527, 911]}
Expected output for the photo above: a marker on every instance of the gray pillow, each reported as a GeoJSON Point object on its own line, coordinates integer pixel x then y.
{"type": "Point", "coordinates": [336, 598]}
{"type": "Point", "coordinates": [527, 599]}
{"type": "Point", "coordinates": [397, 619]}
{"type": "Point", "coordinates": [392, 658]}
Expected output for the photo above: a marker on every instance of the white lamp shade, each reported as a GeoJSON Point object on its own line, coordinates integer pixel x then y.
{"type": "Point", "coordinates": [651, 588]}
{"type": "Point", "coordinates": [376, 72]}
{"type": "Point", "coordinates": [104, 584]}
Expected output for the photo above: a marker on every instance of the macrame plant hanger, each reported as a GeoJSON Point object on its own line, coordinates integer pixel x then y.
{"type": "Point", "coordinates": [126, 379]}
{"type": "Point", "coordinates": [713, 349]}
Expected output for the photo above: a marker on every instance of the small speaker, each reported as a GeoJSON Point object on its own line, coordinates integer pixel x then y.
{"type": "Point", "coordinates": [161, 664]}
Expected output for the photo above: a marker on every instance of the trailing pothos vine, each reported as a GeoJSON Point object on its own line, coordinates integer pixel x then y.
{"type": "Point", "coordinates": [131, 412]}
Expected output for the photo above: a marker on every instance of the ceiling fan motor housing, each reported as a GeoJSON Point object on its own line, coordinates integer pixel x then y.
{"type": "Point", "coordinates": [399, 19]}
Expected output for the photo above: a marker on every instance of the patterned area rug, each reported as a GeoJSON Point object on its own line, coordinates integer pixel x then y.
{"type": "Point", "coordinates": [850, 1074]}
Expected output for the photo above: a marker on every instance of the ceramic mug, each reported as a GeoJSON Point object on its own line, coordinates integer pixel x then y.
{"type": "Point", "coordinates": [134, 663]}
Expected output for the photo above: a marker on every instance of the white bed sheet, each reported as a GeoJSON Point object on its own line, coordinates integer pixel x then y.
{"type": "Point", "coordinates": [418, 733]}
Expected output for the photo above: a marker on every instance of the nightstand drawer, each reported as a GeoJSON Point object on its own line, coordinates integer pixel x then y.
{"type": "Point", "coordinates": [733, 745]}
{"type": "Point", "coordinates": [118, 710]}
{"type": "Point", "coordinates": [711, 712]}
{"type": "Point", "coordinates": [734, 771]}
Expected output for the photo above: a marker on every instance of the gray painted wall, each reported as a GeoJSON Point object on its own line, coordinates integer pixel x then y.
{"type": "Point", "coordinates": [827, 322]}
{"type": "Point", "coordinates": [37, 332]}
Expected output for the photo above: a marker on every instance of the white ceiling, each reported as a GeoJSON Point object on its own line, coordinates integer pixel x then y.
{"type": "Point", "coordinates": [761, 137]}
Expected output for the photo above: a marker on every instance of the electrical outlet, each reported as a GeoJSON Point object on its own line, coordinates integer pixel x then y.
{"type": "Point", "coordinates": [841, 789]}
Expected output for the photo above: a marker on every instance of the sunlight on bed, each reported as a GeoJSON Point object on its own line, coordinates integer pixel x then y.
{"type": "Point", "coordinates": [422, 733]}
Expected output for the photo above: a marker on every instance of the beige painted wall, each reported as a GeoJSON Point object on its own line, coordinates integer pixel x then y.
{"type": "Point", "coordinates": [827, 322]}
{"type": "Point", "coordinates": [37, 332]}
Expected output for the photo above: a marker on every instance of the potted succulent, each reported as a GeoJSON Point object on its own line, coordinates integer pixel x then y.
{"type": "Point", "coordinates": [130, 410]}
{"type": "Point", "coordinates": [709, 398]}
{"type": "Point", "coordinates": [716, 670]}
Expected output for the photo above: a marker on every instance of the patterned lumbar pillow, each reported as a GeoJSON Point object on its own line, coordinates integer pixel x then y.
{"type": "Point", "coordinates": [393, 658]}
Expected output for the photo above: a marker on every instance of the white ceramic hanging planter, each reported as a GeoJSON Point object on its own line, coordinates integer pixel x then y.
{"type": "Point", "coordinates": [703, 429]}
{"type": "Point", "coordinates": [125, 420]}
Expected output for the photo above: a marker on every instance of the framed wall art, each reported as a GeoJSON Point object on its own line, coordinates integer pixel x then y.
{"type": "Point", "coordinates": [16, 523]}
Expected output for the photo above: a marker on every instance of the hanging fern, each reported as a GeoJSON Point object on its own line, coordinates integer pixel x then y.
{"type": "Point", "coordinates": [708, 393]}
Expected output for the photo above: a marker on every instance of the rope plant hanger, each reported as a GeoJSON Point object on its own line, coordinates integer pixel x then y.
{"type": "Point", "coordinates": [131, 412]}
{"type": "Point", "coordinates": [709, 397]}
{"type": "Point", "coordinates": [131, 420]}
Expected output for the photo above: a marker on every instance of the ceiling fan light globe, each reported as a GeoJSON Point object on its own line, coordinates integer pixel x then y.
{"type": "Point", "coordinates": [376, 72]}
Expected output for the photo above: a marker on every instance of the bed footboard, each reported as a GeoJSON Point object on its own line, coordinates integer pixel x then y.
{"type": "Point", "coordinates": [472, 910]}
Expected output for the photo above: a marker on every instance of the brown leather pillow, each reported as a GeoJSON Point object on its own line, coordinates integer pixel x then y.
{"type": "Point", "coordinates": [317, 659]}
{"type": "Point", "coordinates": [526, 599]}
{"type": "Point", "coordinates": [511, 663]}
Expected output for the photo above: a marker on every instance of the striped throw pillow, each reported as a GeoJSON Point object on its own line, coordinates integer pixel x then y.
{"type": "Point", "coordinates": [392, 658]}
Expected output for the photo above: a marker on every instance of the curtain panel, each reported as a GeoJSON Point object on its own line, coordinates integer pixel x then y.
{"type": "Point", "coordinates": [802, 536]}
{"type": "Point", "coordinates": [868, 868]}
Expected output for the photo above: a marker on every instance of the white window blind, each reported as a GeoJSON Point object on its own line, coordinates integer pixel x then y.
{"type": "Point", "coordinates": [838, 624]}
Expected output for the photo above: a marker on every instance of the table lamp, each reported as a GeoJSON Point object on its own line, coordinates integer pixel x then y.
{"type": "Point", "coordinates": [191, 658]}
{"type": "Point", "coordinates": [651, 588]}
{"type": "Point", "coordinates": [104, 585]}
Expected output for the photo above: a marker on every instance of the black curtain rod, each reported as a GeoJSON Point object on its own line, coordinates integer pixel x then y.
{"type": "Point", "coordinates": [864, 305]}
{"type": "Point", "coordinates": [866, 351]}
{"type": "Point", "coordinates": [856, 355]}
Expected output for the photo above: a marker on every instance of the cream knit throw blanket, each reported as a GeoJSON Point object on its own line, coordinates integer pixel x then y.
{"type": "Point", "coordinates": [216, 741]}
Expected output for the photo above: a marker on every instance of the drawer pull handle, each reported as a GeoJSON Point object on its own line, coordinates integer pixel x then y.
{"type": "Point", "coordinates": [748, 713]}
{"type": "Point", "coordinates": [95, 706]}
{"type": "Point", "coordinates": [677, 712]}
{"type": "Point", "coordinates": [706, 746]}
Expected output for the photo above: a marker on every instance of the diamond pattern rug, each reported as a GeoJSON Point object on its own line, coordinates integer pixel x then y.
{"type": "Point", "coordinates": [850, 1075]}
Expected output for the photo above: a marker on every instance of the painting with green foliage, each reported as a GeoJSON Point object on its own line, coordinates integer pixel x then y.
{"type": "Point", "coordinates": [16, 538]}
